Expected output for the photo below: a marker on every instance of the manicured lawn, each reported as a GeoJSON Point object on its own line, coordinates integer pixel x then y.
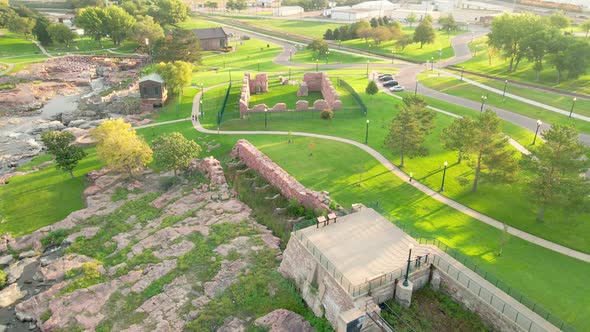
{"type": "Point", "coordinates": [582, 106]}
{"type": "Point", "coordinates": [88, 45]}
{"type": "Point", "coordinates": [44, 197]}
{"type": "Point", "coordinates": [524, 73]}
{"type": "Point", "coordinates": [11, 45]}
{"type": "Point", "coordinates": [253, 55]}
{"type": "Point", "coordinates": [456, 87]}
{"type": "Point", "coordinates": [308, 56]}
{"type": "Point", "coordinates": [293, 27]}
{"type": "Point", "coordinates": [278, 93]}
{"type": "Point", "coordinates": [412, 51]}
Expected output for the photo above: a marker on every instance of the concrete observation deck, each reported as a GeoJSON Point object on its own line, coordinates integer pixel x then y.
{"type": "Point", "coordinates": [363, 245]}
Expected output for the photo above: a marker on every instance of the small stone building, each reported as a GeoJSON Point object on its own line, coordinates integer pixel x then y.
{"type": "Point", "coordinates": [212, 39]}
{"type": "Point", "coordinates": [152, 92]}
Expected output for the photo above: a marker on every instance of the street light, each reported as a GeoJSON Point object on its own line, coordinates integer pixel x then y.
{"type": "Point", "coordinates": [439, 54]}
{"type": "Point", "coordinates": [416, 88]}
{"type": "Point", "coordinates": [368, 68]}
{"type": "Point", "coordinates": [201, 107]}
{"type": "Point", "coordinates": [539, 123]}
{"type": "Point", "coordinates": [290, 54]}
{"type": "Point", "coordinates": [392, 57]}
{"type": "Point", "coordinates": [327, 54]}
{"type": "Point", "coordinates": [442, 186]}
{"type": "Point", "coordinates": [265, 121]}
{"type": "Point", "coordinates": [316, 64]}
{"type": "Point", "coordinates": [289, 74]}
{"type": "Point", "coordinates": [431, 63]}
{"type": "Point", "coordinates": [483, 101]}
{"type": "Point", "coordinates": [573, 104]}
{"type": "Point", "coordinates": [411, 246]}
{"type": "Point", "coordinates": [462, 71]}
{"type": "Point", "coordinates": [504, 92]}
{"type": "Point", "coordinates": [367, 133]}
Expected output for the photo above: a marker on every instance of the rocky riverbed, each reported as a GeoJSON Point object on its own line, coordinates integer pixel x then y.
{"type": "Point", "coordinates": [147, 254]}
{"type": "Point", "coordinates": [71, 92]}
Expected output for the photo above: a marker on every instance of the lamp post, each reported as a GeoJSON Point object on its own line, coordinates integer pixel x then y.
{"type": "Point", "coordinates": [442, 185]}
{"type": "Point", "coordinates": [539, 123]}
{"type": "Point", "coordinates": [316, 64]}
{"type": "Point", "coordinates": [392, 57]}
{"type": "Point", "coordinates": [265, 120]}
{"type": "Point", "coordinates": [411, 246]}
{"type": "Point", "coordinates": [416, 88]}
{"type": "Point", "coordinates": [147, 43]}
{"type": "Point", "coordinates": [483, 101]}
{"type": "Point", "coordinates": [431, 63]}
{"type": "Point", "coordinates": [230, 75]}
{"type": "Point", "coordinates": [258, 64]}
{"type": "Point", "coordinates": [462, 71]}
{"type": "Point", "coordinates": [504, 92]}
{"type": "Point", "coordinates": [573, 104]}
{"type": "Point", "coordinates": [289, 73]}
{"type": "Point", "coordinates": [290, 54]}
{"type": "Point", "coordinates": [367, 133]}
{"type": "Point", "coordinates": [201, 107]}
{"type": "Point", "coordinates": [439, 54]}
{"type": "Point", "coordinates": [327, 54]}
{"type": "Point", "coordinates": [368, 67]}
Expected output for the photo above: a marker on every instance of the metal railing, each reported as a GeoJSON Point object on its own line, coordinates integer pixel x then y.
{"type": "Point", "coordinates": [222, 111]}
{"type": "Point", "coordinates": [354, 94]}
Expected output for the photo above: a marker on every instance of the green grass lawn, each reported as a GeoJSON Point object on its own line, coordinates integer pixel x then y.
{"type": "Point", "coordinates": [44, 197]}
{"type": "Point", "coordinates": [308, 56]}
{"type": "Point", "coordinates": [12, 44]}
{"type": "Point", "coordinates": [293, 27]}
{"type": "Point", "coordinates": [456, 87]}
{"type": "Point", "coordinates": [524, 73]}
{"type": "Point", "coordinates": [88, 45]}
{"type": "Point", "coordinates": [412, 51]}
{"type": "Point", "coordinates": [582, 106]}
{"type": "Point", "coordinates": [278, 93]}
{"type": "Point", "coordinates": [252, 55]}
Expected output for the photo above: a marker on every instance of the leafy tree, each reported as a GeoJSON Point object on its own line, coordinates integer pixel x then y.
{"type": "Point", "coordinates": [411, 18]}
{"type": "Point", "coordinates": [176, 75]}
{"type": "Point", "coordinates": [329, 35]}
{"type": "Point", "coordinates": [364, 33]}
{"type": "Point", "coordinates": [174, 151]}
{"type": "Point", "coordinates": [21, 25]}
{"type": "Point", "coordinates": [456, 137]}
{"type": "Point", "coordinates": [492, 156]}
{"type": "Point", "coordinates": [424, 33]}
{"type": "Point", "coordinates": [448, 23]}
{"type": "Point", "coordinates": [335, 34]}
{"type": "Point", "coordinates": [556, 56]}
{"type": "Point", "coordinates": [66, 154]}
{"type": "Point", "coordinates": [169, 11]}
{"type": "Point", "coordinates": [559, 20]}
{"type": "Point", "coordinates": [536, 46]}
{"type": "Point", "coordinates": [181, 45]}
{"type": "Point", "coordinates": [40, 30]}
{"type": "Point", "coordinates": [86, 3]}
{"type": "Point", "coordinates": [372, 88]}
{"type": "Point", "coordinates": [404, 41]}
{"type": "Point", "coordinates": [92, 20]}
{"type": "Point", "coordinates": [374, 23]}
{"type": "Point", "coordinates": [355, 27]}
{"type": "Point", "coordinates": [396, 32]}
{"type": "Point", "coordinates": [318, 45]}
{"type": "Point", "coordinates": [236, 5]}
{"type": "Point", "coordinates": [409, 129]}
{"type": "Point", "coordinates": [6, 13]}
{"type": "Point", "coordinates": [386, 21]}
{"type": "Point", "coordinates": [577, 58]}
{"type": "Point", "coordinates": [211, 5]}
{"type": "Point", "coordinates": [117, 23]}
{"type": "Point", "coordinates": [146, 28]}
{"type": "Point", "coordinates": [556, 167]}
{"type": "Point", "coordinates": [60, 33]}
{"type": "Point", "coordinates": [120, 148]}
{"type": "Point", "coordinates": [381, 34]}
{"type": "Point", "coordinates": [586, 27]}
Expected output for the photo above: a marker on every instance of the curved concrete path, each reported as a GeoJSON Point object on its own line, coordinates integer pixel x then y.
{"type": "Point", "coordinates": [399, 173]}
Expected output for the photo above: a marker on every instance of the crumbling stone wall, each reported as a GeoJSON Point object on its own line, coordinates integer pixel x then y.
{"type": "Point", "coordinates": [251, 85]}
{"type": "Point", "coordinates": [211, 167]}
{"type": "Point", "coordinates": [319, 81]}
{"type": "Point", "coordinates": [279, 178]}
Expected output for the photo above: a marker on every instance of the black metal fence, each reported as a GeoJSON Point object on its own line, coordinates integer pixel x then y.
{"type": "Point", "coordinates": [224, 105]}
{"type": "Point", "coordinates": [354, 94]}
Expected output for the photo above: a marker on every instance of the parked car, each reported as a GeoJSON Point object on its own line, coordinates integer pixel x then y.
{"type": "Point", "coordinates": [385, 78]}
{"type": "Point", "coordinates": [390, 83]}
{"type": "Point", "coordinates": [397, 88]}
{"type": "Point", "coordinates": [383, 75]}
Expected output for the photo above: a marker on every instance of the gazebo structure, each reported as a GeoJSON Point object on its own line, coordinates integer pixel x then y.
{"type": "Point", "coordinates": [152, 91]}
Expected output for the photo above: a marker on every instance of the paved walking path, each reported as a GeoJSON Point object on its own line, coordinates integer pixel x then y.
{"type": "Point", "coordinates": [399, 173]}
{"type": "Point", "coordinates": [43, 50]}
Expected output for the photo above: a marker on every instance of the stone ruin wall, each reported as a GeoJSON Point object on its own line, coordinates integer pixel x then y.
{"type": "Point", "coordinates": [277, 177]}
{"type": "Point", "coordinates": [312, 81]}
{"type": "Point", "coordinates": [319, 81]}
{"type": "Point", "coordinates": [249, 86]}
{"type": "Point", "coordinates": [211, 167]}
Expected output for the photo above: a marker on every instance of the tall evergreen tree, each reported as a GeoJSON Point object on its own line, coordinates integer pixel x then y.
{"type": "Point", "coordinates": [456, 137]}
{"type": "Point", "coordinates": [557, 167]}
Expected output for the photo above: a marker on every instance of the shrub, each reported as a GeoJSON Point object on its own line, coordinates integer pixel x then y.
{"type": "Point", "coordinates": [295, 209]}
{"type": "Point", "coordinates": [327, 114]}
{"type": "Point", "coordinates": [55, 238]}
{"type": "Point", "coordinates": [2, 278]}
{"type": "Point", "coordinates": [168, 182]}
